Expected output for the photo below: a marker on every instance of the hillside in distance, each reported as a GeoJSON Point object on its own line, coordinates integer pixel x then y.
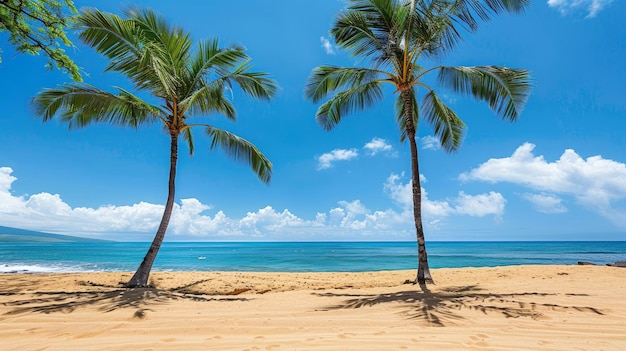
{"type": "Point", "coordinates": [8, 234]}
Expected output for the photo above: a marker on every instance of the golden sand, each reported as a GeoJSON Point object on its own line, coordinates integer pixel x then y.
{"type": "Point", "coordinates": [503, 308]}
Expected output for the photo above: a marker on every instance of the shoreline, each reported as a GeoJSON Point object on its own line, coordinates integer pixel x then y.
{"type": "Point", "coordinates": [549, 307]}
{"type": "Point", "coordinates": [300, 257]}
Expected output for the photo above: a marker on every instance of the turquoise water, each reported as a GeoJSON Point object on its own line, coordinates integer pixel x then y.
{"type": "Point", "coordinates": [298, 256]}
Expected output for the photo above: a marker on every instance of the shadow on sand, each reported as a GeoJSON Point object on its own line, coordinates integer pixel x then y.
{"type": "Point", "coordinates": [105, 299]}
{"type": "Point", "coordinates": [441, 308]}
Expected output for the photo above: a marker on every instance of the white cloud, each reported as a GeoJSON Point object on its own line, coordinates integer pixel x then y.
{"type": "Point", "coordinates": [429, 142]}
{"type": "Point", "coordinates": [356, 217]}
{"type": "Point", "coordinates": [398, 192]}
{"type": "Point", "coordinates": [593, 7]}
{"type": "Point", "coordinates": [355, 207]}
{"type": "Point", "coordinates": [596, 183]}
{"type": "Point", "coordinates": [480, 205]}
{"type": "Point", "coordinates": [48, 212]}
{"type": "Point", "coordinates": [8, 203]}
{"type": "Point", "coordinates": [328, 47]}
{"type": "Point", "coordinates": [350, 220]}
{"type": "Point", "coordinates": [267, 219]}
{"type": "Point", "coordinates": [326, 160]}
{"type": "Point", "coordinates": [372, 148]}
{"type": "Point", "coordinates": [546, 203]}
{"type": "Point", "coordinates": [378, 145]}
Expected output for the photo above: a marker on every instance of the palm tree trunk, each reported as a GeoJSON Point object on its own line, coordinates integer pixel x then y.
{"type": "Point", "coordinates": [140, 278]}
{"type": "Point", "coordinates": [423, 272]}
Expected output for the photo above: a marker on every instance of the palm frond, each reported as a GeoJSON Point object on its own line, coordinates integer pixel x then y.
{"type": "Point", "coordinates": [241, 150]}
{"type": "Point", "coordinates": [211, 56]}
{"type": "Point", "coordinates": [255, 84]}
{"type": "Point", "coordinates": [116, 38]}
{"type": "Point", "coordinates": [447, 126]}
{"type": "Point", "coordinates": [81, 104]}
{"type": "Point", "coordinates": [209, 99]}
{"type": "Point", "coordinates": [441, 21]}
{"type": "Point", "coordinates": [188, 137]}
{"type": "Point", "coordinates": [372, 29]}
{"type": "Point", "coordinates": [326, 79]}
{"type": "Point", "coordinates": [345, 102]}
{"type": "Point", "coordinates": [167, 48]}
{"type": "Point", "coordinates": [506, 90]}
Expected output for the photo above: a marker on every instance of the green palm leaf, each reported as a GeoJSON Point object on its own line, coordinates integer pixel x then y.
{"type": "Point", "coordinates": [448, 127]}
{"type": "Point", "coordinates": [393, 36]}
{"type": "Point", "coordinates": [326, 79]}
{"type": "Point", "coordinates": [188, 137]}
{"type": "Point", "coordinates": [116, 38]}
{"type": "Point", "coordinates": [506, 90]}
{"type": "Point", "coordinates": [241, 150]}
{"type": "Point", "coordinates": [255, 84]}
{"type": "Point", "coordinates": [81, 104]}
{"type": "Point", "coordinates": [372, 29]}
{"type": "Point", "coordinates": [208, 99]}
{"type": "Point", "coordinates": [441, 21]}
{"type": "Point", "coordinates": [158, 59]}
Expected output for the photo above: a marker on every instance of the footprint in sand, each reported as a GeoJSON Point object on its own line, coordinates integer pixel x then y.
{"type": "Point", "coordinates": [346, 335]}
{"type": "Point", "coordinates": [479, 340]}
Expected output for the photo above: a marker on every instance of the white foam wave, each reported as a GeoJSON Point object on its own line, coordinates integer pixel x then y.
{"type": "Point", "coordinates": [34, 268]}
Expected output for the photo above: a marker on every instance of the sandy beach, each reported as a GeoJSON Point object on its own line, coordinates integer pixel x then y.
{"type": "Point", "coordinates": [503, 308]}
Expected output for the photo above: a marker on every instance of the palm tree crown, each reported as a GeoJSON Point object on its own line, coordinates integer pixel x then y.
{"type": "Point", "coordinates": [182, 83]}
{"type": "Point", "coordinates": [394, 37]}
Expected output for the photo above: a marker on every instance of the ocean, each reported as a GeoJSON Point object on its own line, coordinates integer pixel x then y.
{"type": "Point", "coordinates": [296, 256]}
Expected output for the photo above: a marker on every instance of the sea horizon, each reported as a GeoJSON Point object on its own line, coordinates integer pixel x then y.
{"type": "Point", "coordinates": [327, 256]}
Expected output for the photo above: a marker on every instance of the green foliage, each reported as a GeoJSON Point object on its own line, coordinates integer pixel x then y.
{"type": "Point", "coordinates": [240, 149]}
{"type": "Point", "coordinates": [395, 36]}
{"type": "Point", "coordinates": [160, 61]}
{"type": "Point", "coordinates": [39, 25]}
{"type": "Point", "coordinates": [360, 89]}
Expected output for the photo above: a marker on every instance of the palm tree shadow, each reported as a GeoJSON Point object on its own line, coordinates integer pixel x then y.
{"type": "Point", "coordinates": [441, 308]}
{"type": "Point", "coordinates": [105, 299]}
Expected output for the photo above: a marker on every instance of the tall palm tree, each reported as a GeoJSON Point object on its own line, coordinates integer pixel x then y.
{"type": "Point", "coordinates": [180, 84]}
{"type": "Point", "coordinates": [395, 37]}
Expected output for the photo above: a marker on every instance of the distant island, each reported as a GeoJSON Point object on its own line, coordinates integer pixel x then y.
{"type": "Point", "coordinates": [8, 234]}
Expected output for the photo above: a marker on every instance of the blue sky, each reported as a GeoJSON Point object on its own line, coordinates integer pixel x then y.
{"type": "Point", "coordinates": [558, 173]}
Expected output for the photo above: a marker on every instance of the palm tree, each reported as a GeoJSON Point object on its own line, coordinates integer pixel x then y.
{"type": "Point", "coordinates": [394, 37]}
{"type": "Point", "coordinates": [181, 83]}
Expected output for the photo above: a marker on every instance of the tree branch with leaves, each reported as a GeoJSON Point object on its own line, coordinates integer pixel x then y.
{"type": "Point", "coordinates": [37, 26]}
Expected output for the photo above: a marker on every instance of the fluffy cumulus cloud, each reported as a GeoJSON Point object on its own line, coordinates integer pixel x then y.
{"type": "Point", "coordinates": [348, 220]}
{"type": "Point", "coordinates": [48, 211]}
{"type": "Point", "coordinates": [328, 47]}
{"type": "Point", "coordinates": [374, 147]}
{"type": "Point", "coordinates": [430, 143]}
{"type": "Point", "coordinates": [377, 146]}
{"type": "Point", "coordinates": [592, 7]}
{"type": "Point", "coordinates": [479, 205]}
{"type": "Point", "coordinates": [596, 183]}
{"type": "Point", "coordinates": [326, 160]}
